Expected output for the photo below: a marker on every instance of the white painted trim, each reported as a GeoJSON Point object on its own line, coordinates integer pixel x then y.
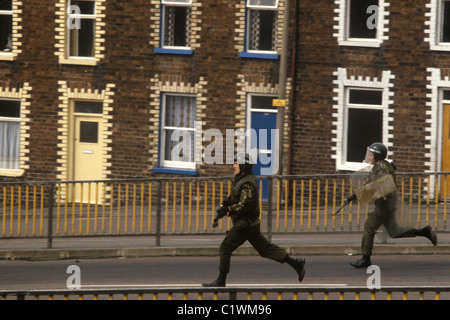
{"type": "Point", "coordinates": [342, 82]}
{"type": "Point", "coordinates": [341, 26]}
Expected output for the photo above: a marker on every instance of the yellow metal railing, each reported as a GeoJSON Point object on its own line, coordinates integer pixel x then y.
{"type": "Point", "coordinates": [187, 206]}
{"type": "Point", "coordinates": [259, 293]}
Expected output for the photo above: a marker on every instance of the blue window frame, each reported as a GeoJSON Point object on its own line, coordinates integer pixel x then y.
{"type": "Point", "coordinates": [261, 29]}
{"type": "Point", "coordinates": [175, 31]}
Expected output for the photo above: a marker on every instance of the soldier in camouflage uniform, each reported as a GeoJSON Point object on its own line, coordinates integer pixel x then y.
{"type": "Point", "coordinates": [385, 208]}
{"type": "Point", "coordinates": [243, 207]}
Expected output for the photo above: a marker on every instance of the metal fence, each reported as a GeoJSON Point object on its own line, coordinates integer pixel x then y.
{"type": "Point", "coordinates": [181, 206]}
{"type": "Point", "coordinates": [238, 293]}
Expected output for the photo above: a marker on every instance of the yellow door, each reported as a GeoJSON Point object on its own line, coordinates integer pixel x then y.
{"type": "Point", "coordinates": [87, 157]}
{"type": "Point", "coordinates": [445, 182]}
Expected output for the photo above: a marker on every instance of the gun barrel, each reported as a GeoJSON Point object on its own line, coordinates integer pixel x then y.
{"type": "Point", "coordinates": [342, 207]}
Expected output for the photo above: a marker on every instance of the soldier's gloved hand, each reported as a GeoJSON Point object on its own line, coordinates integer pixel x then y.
{"type": "Point", "coordinates": [351, 198]}
{"type": "Point", "coordinates": [221, 212]}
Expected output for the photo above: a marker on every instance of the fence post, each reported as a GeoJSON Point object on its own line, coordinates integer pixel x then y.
{"type": "Point", "coordinates": [51, 199]}
{"type": "Point", "coordinates": [269, 209]}
{"type": "Point", "coordinates": [158, 215]}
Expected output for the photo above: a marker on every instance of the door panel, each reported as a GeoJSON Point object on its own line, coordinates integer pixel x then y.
{"type": "Point", "coordinates": [263, 123]}
{"type": "Point", "coordinates": [87, 155]}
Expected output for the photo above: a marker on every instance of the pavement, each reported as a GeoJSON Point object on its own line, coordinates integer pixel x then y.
{"type": "Point", "coordinates": [298, 244]}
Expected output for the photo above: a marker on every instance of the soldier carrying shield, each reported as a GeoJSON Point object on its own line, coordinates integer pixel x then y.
{"type": "Point", "coordinates": [381, 189]}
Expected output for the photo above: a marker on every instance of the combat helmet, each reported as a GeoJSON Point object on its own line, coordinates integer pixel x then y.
{"type": "Point", "coordinates": [378, 150]}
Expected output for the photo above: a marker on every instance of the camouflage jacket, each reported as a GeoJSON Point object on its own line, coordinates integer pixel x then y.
{"type": "Point", "coordinates": [380, 169]}
{"type": "Point", "coordinates": [244, 202]}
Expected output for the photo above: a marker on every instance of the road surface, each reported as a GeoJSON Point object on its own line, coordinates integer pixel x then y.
{"type": "Point", "coordinates": [395, 270]}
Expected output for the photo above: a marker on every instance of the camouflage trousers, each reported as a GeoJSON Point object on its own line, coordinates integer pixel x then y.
{"type": "Point", "coordinates": [243, 231]}
{"type": "Point", "coordinates": [378, 218]}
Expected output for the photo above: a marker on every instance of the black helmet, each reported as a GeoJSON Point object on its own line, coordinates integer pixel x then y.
{"type": "Point", "coordinates": [379, 151]}
{"type": "Point", "coordinates": [243, 159]}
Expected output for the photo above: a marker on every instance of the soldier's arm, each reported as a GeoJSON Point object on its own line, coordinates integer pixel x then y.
{"type": "Point", "coordinates": [245, 198]}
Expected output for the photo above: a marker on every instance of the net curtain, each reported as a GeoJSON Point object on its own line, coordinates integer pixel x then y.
{"type": "Point", "coordinates": [9, 144]}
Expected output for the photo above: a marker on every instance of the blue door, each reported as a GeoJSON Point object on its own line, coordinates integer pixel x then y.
{"type": "Point", "coordinates": [263, 121]}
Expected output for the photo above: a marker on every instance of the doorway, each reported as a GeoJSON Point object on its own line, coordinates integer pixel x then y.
{"type": "Point", "coordinates": [87, 150]}
{"type": "Point", "coordinates": [262, 119]}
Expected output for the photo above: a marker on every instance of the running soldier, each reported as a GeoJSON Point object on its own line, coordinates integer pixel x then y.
{"type": "Point", "coordinates": [381, 188]}
{"type": "Point", "coordinates": [243, 207]}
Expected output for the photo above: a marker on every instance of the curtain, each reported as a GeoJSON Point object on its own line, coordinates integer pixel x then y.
{"type": "Point", "coordinates": [9, 144]}
{"type": "Point", "coordinates": [179, 125]}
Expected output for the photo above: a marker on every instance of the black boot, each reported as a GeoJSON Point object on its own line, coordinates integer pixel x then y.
{"type": "Point", "coordinates": [298, 265]}
{"type": "Point", "coordinates": [428, 233]}
{"type": "Point", "coordinates": [219, 282]}
{"type": "Point", "coordinates": [361, 263]}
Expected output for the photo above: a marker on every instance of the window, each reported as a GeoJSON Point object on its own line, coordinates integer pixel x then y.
{"type": "Point", "coordinates": [444, 23]}
{"type": "Point", "coordinates": [364, 115]}
{"type": "Point", "coordinates": [437, 26]}
{"type": "Point", "coordinates": [6, 15]}
{"type": "Point", "coordinates": [178, 131]}
{"type": "Point", "coordinates": [262, 25]}
{"type": "Point", "coordinates": [362, 23]}
{"type": "Point", "coordinates": [364, 122]}
{"type": "Point", "coordinates": [88, 107]}
{"type": "Point", "coordinates": [9, 134]}
{"type": "Point", "coordinates": [81, 28]}
{"type": "Point", "coordinates": [176, 24]}
{"type": "Point", "coordinates": [359, 15]}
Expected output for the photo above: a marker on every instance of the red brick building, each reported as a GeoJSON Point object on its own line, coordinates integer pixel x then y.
{"type": "Point", "coordinates": [95, 89]}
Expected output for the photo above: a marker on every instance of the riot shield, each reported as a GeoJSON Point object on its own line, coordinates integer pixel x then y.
{"type": "Point", "coordinates": [374, 190]}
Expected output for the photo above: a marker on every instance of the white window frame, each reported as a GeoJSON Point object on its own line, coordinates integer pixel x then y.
{"type": "Point", "coordinates": [433, 26]}
{"type": "Point", "coordinates": [348, 106]}
{"type": "Point", "coordinates": [440, 23]}
{"type": "Point", "coordinates": [190, 165]}
{"type": "Point", "coordinates": [342, 27]}
{"type": "Point", "coordinates": [250, 7]}
{"type": "Point", "coordinates": [75, 16]}
{"type": "Point", "coordinates": [342, 83]}
{"type": "Point", "coordinates": [168, 3]}
{"type": "Point", "coordinates": [16, 120]}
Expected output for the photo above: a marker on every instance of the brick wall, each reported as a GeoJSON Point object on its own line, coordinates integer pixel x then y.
{"type": "Point", "coordinates": [128, 67]}
{"type": "Point", "coordinates": [127, 63]}
{"type": "Point", "coordinates": [404, 53]}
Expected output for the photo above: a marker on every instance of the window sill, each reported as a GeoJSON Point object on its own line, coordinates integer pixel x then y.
{"type": "Point", "coordinates": [187, 172]}
{"type": "Point", "coordinates": [440, 47]}
{"type": "Point", "coordinates": [185, 52]}
{"type": "Point", "coordinates": [254, 55]}
{"type": "Point", "coordinates": [79, 61]}
{"type": "Point", "coordinates": [6, 56]}
{"type": "Point", "coordinates": [11, 172]}
{"type": "Point", "coordinates": [370, 43]}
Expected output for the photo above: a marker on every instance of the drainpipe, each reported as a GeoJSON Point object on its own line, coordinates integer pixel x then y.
{"type": "Point", "coordinates": [292, 93]}
{"type": "Point", "coordinates": [282, 88]}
